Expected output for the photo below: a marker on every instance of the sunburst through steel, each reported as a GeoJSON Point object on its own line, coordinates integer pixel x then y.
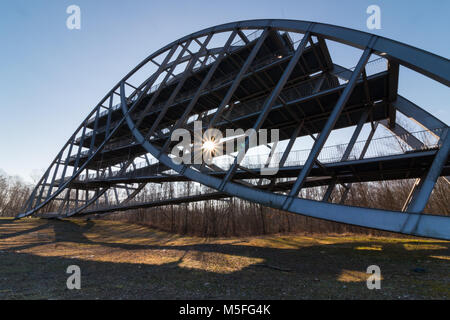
{"type": "Point", "coordinates": [258, 74]}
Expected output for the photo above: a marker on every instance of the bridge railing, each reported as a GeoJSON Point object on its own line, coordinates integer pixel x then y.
{"type": "Point", "coordinates": [378, 147]}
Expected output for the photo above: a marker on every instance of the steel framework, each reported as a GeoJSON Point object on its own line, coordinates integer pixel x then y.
{"type": "Point", "coordinates": [260, 74]}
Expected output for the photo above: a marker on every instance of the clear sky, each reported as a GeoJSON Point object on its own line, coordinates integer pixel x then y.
{"type": "Point", "coordinates": [51, 77]}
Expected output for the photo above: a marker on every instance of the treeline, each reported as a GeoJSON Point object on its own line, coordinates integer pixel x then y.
{"type": "Point", "coordinates": [236, 217]}
{"type": "Point", "coordinates": [13, 194]}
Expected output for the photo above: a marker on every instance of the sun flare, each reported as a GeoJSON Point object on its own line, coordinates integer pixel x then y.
{"type": "Point", "coordinates": [209, 145]}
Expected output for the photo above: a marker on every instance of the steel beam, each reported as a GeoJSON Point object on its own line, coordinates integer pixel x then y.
{"type": "Point", "coordinates": [349, 148]}
{"type": "Point", "coordinates": [268, 104]}
{"type": "Point", "coordinates": [237, 80]}
{"type": "Point", "coordinates": [329, 124]}
{"type": "Point", "coordinates": [202, 86]}
{"type": "Point", "coordinates": [163, 112]}
{"type": "Point", "coordinates": [419, 115]}
{"type": "Point", "coordinates": [403, 134]}
{"type": "Point", "coordinates": [420, 199]}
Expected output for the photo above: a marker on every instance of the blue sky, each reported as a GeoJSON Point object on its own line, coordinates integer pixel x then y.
{"type": "Point", "coordinates": [52, 76]}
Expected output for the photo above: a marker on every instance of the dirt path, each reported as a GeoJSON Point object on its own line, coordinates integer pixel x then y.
{"type": "Point", "coordinates": [123, 261]}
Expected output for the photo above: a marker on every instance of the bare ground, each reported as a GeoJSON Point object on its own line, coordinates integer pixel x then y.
{"type": "Point", "coordinates": [127, 261]}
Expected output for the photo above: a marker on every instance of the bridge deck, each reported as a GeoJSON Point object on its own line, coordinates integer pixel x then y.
{"type": "Point", "coordinates": [401, 166]}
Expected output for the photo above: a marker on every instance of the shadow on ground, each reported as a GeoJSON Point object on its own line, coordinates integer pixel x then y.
{"type": "Point", "coordinates": [123, 261]}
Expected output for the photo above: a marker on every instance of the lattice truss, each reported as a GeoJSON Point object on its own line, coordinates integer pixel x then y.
{"type": "Point", "coordinates": [260, 74]}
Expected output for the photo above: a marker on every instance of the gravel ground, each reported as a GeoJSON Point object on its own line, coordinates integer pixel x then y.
{"type": "Point", "coordinates": [127, 261]}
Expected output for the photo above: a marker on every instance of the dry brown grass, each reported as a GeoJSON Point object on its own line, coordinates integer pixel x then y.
{"type": "Point", "coordinates": [122, 261]}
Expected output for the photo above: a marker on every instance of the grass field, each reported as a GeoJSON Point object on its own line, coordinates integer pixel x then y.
{"type": "Point", "coordinates": [126, 261]}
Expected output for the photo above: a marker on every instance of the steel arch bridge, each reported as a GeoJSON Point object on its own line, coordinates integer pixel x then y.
{"type": "Point", "coordinates": [259, 74]}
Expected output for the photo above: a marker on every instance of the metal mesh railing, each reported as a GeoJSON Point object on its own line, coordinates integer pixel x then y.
{"type": "Point", "coordinates": [378, 147]}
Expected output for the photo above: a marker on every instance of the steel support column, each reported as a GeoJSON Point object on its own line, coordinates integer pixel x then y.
{"type": "Point", "coordinates": [329, 125]}
{"type": "Point", "coordinates": [268, 105]}
{"type": "Point", "coordinates": [420, 199]}
{"type": "Point", "coordinates": [349, 148]}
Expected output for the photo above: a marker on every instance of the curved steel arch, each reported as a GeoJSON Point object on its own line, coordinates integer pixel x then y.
{"type": "Point", "coordinates": [428, 64]}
